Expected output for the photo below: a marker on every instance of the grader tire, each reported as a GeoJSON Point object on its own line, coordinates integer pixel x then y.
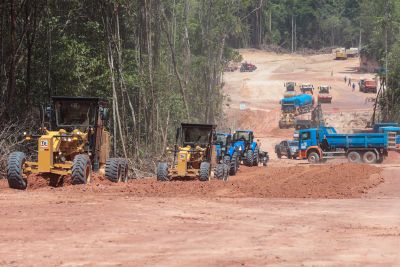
{"type": "Point", "coordinates": [15, 176]}
{"type": "Point", "coordinates": [113, 170]}
{"type": "Point", "coordinates": [233, 165]}
{"type": "Point", "coordinates": [204, 173]}
{"type": "Point", "coordinates": [220, 171]}
{"type": "Point", "coordinates": [124, 170]}
{"type": "Point", "coordinates": [249, 158]}
{"type": "Point", "coordinates": [81, 169]}
{"type": "Point", "coordinates": [162, 172]}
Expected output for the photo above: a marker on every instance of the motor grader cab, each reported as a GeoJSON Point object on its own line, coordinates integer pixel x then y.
{"type": "Point", "coordinates": [290, 89]}
{"type": "Point", "coordinates": [72, 141]}
{"type": "Point", "coordinates": [194, 155]}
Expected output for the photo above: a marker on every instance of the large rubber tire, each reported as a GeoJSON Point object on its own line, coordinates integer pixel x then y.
{"type": "Point", "coordinates": [220, 171]}
{"type": "Point", "coordinates": [15, 171]}
{"type": "Point", "coordinates": [234, 164]}
{"type": "Point", "coordinates": [370, 157]}
{"type": "Point", "coordinates": [162, 172]}
{"type": "Point", "coordinates": [226, 172]}
{"type": "Point", "coordinates": [354, 157]}
{"type": "Point", "coordinates": [278, 154]}
{"type": "Point", "coordinates": [204, 172]}
{"type": "Point", "coordinates": [124, 170]}
{"type": "Point", "coordinates": [249, 158]}
{"type": "Point", "coordinates": [227, 159]}
{"type": "Point", "coordinates": [113, 170]}
{"type": "Point", "coordinates": [256, 157]}
{"type": "Point", "coordinates": [81, 169]}
{"type": "Point", "coordinates": [313, 158]}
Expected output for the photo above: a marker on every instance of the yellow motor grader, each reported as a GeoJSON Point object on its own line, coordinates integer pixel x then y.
{"type": "Point", "coordinates": [72, 141]}
{"type": "Point", "coordinates": [195, 155]}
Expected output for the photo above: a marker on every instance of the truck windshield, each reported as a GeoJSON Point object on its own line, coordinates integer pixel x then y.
{"type": "Point", "coordinates": [288, 108]}
{"type": "Point", "coordinates": [75, 114]}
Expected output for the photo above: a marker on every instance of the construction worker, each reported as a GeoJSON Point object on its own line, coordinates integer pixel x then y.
{"type": "Point", "coordinates": [345, 79]}
{"type": "Point", "coordinates": [354, 87]}
{"type": "Point", "coordinates": [349, 81]}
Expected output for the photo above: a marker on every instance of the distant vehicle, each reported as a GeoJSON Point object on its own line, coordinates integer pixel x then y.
{"type": "Point", "coordinates": [352, 52]}
{"type": "Point", "coordinates": [324, 95]}
{"type": "Point", "coordinates": [307, 89]}
{"type": "Point", "coordinates": [293, 106]}
{"type": "Point", "coordinates": [287, 148]}
{"type": "Point", "coordinates": [290, 89]}
{"type": "Point", "coordinates": [340, 54]}
{"type": "Point", "coordinates": [367, 86]}
{"type": "Point", "coordinates": [247, 67]}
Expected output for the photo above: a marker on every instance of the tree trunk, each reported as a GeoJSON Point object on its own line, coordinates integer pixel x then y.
{"type": "Point", "coordinates": [11, 87]}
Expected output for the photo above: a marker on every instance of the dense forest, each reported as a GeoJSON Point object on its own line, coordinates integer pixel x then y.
{"type": "Point", "coordinates": [160, 62]}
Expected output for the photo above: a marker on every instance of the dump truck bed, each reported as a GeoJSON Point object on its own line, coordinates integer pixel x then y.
{"type": "Point", "coordinates": [360, 140]}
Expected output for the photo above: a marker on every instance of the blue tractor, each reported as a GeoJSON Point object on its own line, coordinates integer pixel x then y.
{"type": "Point", "coordinates": [227, 152]}
{"type": "Point", "coordinates": [248, 150]}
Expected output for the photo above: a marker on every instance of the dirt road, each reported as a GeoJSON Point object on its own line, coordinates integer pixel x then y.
{"type": "Point", "coordinates": [288, 214]}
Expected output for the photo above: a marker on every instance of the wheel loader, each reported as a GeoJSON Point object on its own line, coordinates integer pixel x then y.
{"type": "Point", "coordinates": [194, 155]}
{"type": "Point", "coordinates": [71, 141]}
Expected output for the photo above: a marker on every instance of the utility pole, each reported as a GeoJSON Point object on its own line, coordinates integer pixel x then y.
{"type": "Point", "coordinates": [292, 33]}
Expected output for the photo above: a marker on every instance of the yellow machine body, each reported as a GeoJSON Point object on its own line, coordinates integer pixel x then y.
{"type": "Point", "coordinates": [188, 162]}
{"type": "Point", "coordinates": [341, 54]}
{"type": "Point", "coordinates": [56, 150]}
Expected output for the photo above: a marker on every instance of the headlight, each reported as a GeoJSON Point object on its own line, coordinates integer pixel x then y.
{"type": "Point", "coordinates": [240, 148]}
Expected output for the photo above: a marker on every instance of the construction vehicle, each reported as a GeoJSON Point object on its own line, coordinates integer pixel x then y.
{"type": "Point", "coordinates": [247, 67]}
{"type": "Point", "coordinates": [324, 95]}
{"type": "Point", "coordinates": [340, 54]}
{"type": "Point", "coordinates": [292, 107]}
{"type": "Point", "coordinates": [319, 144]}
{"type": "Point", "coordinates": [195, 155]}
{"type": "Point", "coordinates": [352, 52]}
{"type": "Point", "coordinates": [307, 89]}
{"type": "Point", "coordinates": [367, 86]}
{"type": "Point", "coordinates": [248, 149]}
{"type": "Point", "coordinates": [316, 120]}
{"type": "Point", "coordinates": [72, 141]}
{"type": "Point", "coordinates": [227, 152]}
{"type": "Point", "coordinates": [290, 89]}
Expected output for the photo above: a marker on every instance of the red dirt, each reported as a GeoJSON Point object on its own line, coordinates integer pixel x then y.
{"type": "Point", "coordinates": [319, 181]}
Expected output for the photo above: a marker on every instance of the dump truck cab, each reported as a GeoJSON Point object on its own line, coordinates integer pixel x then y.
{"type": "Point", "coordinates": [307, 89]}
{"type": "Point", "coordinates": [194, 154]}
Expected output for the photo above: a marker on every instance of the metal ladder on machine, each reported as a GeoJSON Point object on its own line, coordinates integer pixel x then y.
{"type": "Point", "coordinates": [392, 141]}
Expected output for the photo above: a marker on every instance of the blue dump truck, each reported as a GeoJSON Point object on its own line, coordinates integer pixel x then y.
{"type": "Point", "coordinates": [319, 144]}
{"type": "Point", "coordinates": [294, 106]}
{"type": "Point", "coordinates": [227, 152]}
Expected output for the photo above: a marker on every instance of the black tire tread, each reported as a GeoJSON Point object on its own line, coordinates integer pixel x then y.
{"type": "Point", "coordinates": [15, 174]}
{"type": "Point", "coordinates": [204, 172]}
{"type": "Point", "coordinates": [162, 172]}
{"type": "Point", "coordinates": [112, 171]}
{"type": "Point", "coordinates": [249, 158]}
{"type": "Point", "coordinates": [79, 169]}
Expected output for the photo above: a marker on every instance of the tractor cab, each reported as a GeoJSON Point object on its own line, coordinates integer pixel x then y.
{"type": "Point", "coordinates": [223, 144]}
{"type": "Point", "coordinates": [246, 136]}
{"type": "Point", "coordinates": [248, 149]}
{"type": "Point", "coordinates": [307, 89]}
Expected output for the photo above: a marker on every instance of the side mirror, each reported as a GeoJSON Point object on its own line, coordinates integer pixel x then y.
{"type": "Point", "coordinates": [104, 113]}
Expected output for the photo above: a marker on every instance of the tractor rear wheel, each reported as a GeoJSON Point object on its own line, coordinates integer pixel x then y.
{"type": "Point", "coordinates": [124, 170]}
{"type": "Point", "coordinates": [220, 171]}
{"type": "Point", "coordinates": [227, 159]}
{"type": "Point", "coordinates": [255, 158]}
{"type": "Point", "coordinates": [81, 169]}
{"type": "Point", "coordinates": [233, 164]}
{"type": "Point", "coordinates": [113, 170]}
{"type": "Point", "coordinates": [162, 172]}
{"type": "Point", "coordinates": [249, 158]}
{"type": "Point", "coordinates": [15, 171]}
{"type": "Point", "coordinates": [204, 173]}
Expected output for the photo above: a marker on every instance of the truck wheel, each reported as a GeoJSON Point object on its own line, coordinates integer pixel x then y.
{"type": "Point", "coordinates": [162, 172]}
{"type": "Point", "coordinates": [15, 171]}
{"type": "Point", "coordinates": [220, 171]}
{"type": "Point", "coordinates": [113, 170]}
{"type": "Point", "coordinates": [354, 157]}
{"type": "Point", "coordinates": [81, 169]}
{"type": "Point", "coordinates": [370, 157]}
{"type": "Point", "coordinates": [204, 173]}
{"type": "Point", "coordinates": [226, 173]}
{"type": "Point", "coordinates": [255, 158]}
{"type": "Point", "coordinates": [313, 158]}
{"type": "Point", "coordinates": [278, 154]}
{"type": "Point", "coordinates": [233, 164]}
{"type": "Point", "coordinates": [249, 158]}
{"type": "Point", "coordinates": [124, 170]}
